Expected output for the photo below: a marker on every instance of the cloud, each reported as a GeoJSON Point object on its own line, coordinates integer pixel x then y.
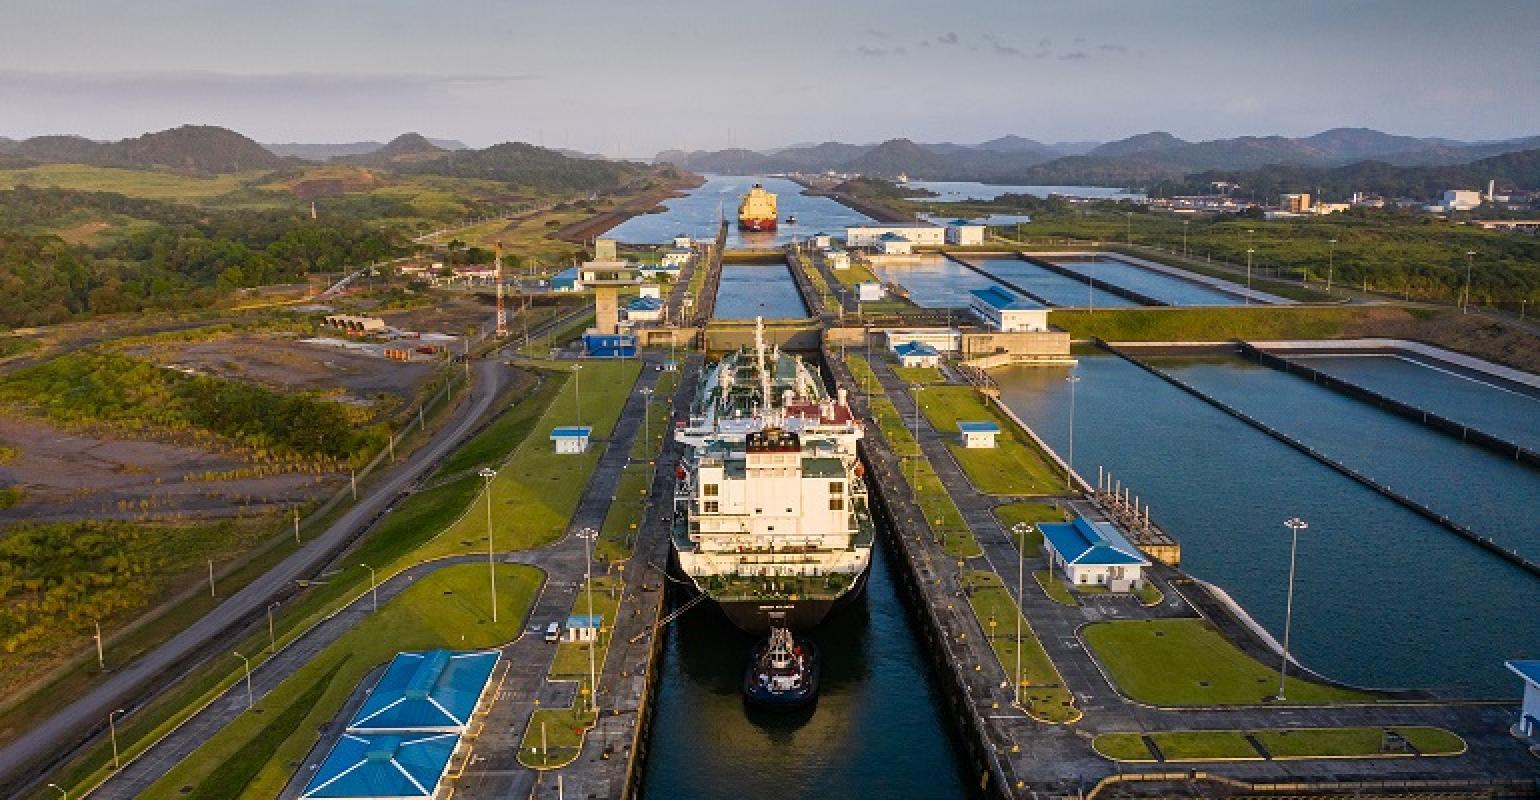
{"type": "Point", "coordinates": [1044, 43]}
{"type": "Point", "coordinates": [876, 34]}
{"type": "Point", "coordinates": [1246, 104]}
{"type": "Point", "coordinates": [1007, 50]}
{"type": "Point", "coordinates": [950, 37]}
{"type": "Point", "coordinates": [195, 82]}
{"type": "Point", "coordinates": [881, 52]}
{"type": "Point", "coordinates": [1112, 48]}
{"type": "Point", "coordinates": [1074, 55]}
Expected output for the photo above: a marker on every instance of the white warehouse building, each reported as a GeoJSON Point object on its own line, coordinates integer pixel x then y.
{"type": "Point", "coordinates": [918, 235]}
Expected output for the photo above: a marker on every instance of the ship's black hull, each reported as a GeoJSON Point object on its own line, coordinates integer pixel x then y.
{"type": "Point", "coordinates": [759, 616]}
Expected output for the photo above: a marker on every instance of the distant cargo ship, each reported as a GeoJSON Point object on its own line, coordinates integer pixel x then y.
{"type": "Point", "coordinates": [757, 210]}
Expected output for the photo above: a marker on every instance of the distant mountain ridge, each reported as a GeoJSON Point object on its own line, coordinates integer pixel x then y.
{"type": "Point", "coordinates": [192, 148]}
{"type": "Point", "coordinates": [324, 152]}
{"type": "Point", "coordinates": [1136, 160]}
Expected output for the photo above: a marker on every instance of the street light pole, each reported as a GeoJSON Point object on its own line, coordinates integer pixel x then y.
{"type": "Point", "coordinates": [1185, 223]}
{"type": "Point", "coordinates": [487, 474]}
{"type": "Point", "coordinates": [1470, 256]}
{"type": "Point", "coordinates": [914, 393]}
{"type": "Point", "coordinates": [588, 535]}
{"type": "Point", "coordinates": [250, 698]}
{"type": "Point", "coordinates": [374, 587]}
{"type": "Point", "coordinates": [1249, 252]}
{"type": "Point", "coordinates": [1331, 262]}
{"type": "Point", "coordinates": [112, 733]}
{"type": "Point", "coordinates": [62, 793]}
{"type": "Point", "coordinates": [1295, 525]}
{"type": "Point", "coordinates": [1020, 529]}
{"type": "Point", "coordinates": [1069, 466]}
{"type": "Point", "coordinates": [272, 639]}
{"type": "Point", "coordinates": [101, 655]}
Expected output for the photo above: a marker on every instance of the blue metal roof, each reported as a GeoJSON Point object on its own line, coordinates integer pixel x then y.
{"type": "Point", "coordinates": [1528, 670]}
{"type": "Point", "coordinates": [436, 690]}
{"type": "Point", "coordinates": [963, 223]}
{"type": "Point", "coordinates": [892, 237]}
{"type": "Point", "coordinates": [567, 277]}
{"type": "Point", "coordinates": [644, 304]}
{"type": "Point", "coordinates": [380, 766]}
{"type": "Point", "coordinates": [1087, 543]}
{"type": "Point", "coordinates": [585, 621]}
{"type": "Point", "coordinates": [968, 426]}
{"type": "Point", "coordinates": [1002, 300]}
{"type": "Point", "coordinates": [571, 431]}
{"type": "Point", "coordinates": [915, 349]}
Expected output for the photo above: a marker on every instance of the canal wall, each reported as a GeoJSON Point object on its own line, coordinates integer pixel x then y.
{"type": "Point", "coordinates": [706, 304]}
{"type": "Point", "coordinates": [906, 530]}
{"type": "Point", "coordinates": [1442, 424]}
{"type": "Point", "coordinates": [1485, 542]}
{"type": "Point", "coordinates": [1110, 288]}
{"type": "Point", "coordinates": [1006, 282]}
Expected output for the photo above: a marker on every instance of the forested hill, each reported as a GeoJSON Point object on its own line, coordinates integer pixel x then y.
{"type": "Point", "coordinates": [1520, 169]}
{"type": "Point", "coordinates": [532, 167]}
{"type": "Point", "coordinates": [190, 148]}
{"type": "Point", "coordinates": [176, 257]}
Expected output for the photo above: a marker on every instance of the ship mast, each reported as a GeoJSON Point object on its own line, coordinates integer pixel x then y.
{"type": "Point", "coordinates": [759, 358]}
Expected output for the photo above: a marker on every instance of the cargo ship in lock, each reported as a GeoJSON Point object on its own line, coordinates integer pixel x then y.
{"type": "Point", "coordinates": [771, 521]}
{"type": "Point", "coordinates": [757, 210]}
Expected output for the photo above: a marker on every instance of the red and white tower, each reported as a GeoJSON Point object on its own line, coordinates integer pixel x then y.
{"type": "Point", "coordinates": [502, 309]}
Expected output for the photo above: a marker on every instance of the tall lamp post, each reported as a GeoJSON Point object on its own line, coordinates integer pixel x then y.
{"type": "Point", "coordinates": [1249, 253]}
{"type": "Point", "coordinates": [1470, 256]}
{"type": "Point", "coordinates": [588, 535]}
{"type": "Point", "coordinates": [647, 418]}
{"type": "Point", "coordinates": [487, 474]}
{"type": "Point", "coordinates": [1295, 525]}
{"type": "Point", "coordinates": [250, 698]}
{"type": "Point", "coordinates": [915, 427]}
{"type": "Point", "coordinates": [1069, 466]}
{"type": "Point", "coordinates": [577, 390]}
{"type": "Point", "coordinates": [374, 587]}
{"type": "Point", "coordinates": [1331, 262]}
{"type": "Point", "coordinates": [62, 793]}
{"type": "Point", "coordinates": [1020, 529]}
{"type": "Point", "coordinates": [1185, 223]}
{"type": "Point", "coordinates": [112, 733]}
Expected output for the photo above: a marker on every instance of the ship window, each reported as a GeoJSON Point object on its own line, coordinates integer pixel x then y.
{"type": "Point", "coordinates": [711, 507]}
{"type": "Point", "coordinates": [709, 489]}
{"type": "Point", "coordinates": [836, 504]}
{"type": "Point", "coordinates": [835, 487]}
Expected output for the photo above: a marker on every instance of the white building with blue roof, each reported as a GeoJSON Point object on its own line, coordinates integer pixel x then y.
{"type": "Point", "coordinates": [978, 433]}
{"type": "Point", "coordinates": [1090, 553]}
{"type": "Point", "coordinates": [894, 244]}
{"type": "Point", "coordinates": [916, 354]}
{"type": "Point", "coordinates": [435, 691]}
{"type": "Point", "coordinates": [1529, 710]}
{"type": "Point", "coordinates": [644, 309]}
{"type": "Point", "coordinates": [964, 233]}
{"type": "Point", "coordinates": [571, 439]}
{"type": "Point", "coordinates": [584, 627]}
{"type": "Point", "coordinates": [1007, 311]}
{"type": "Point", "coordinates": [383, 767]}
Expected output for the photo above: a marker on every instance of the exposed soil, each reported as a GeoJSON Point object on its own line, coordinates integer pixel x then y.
{"type": "Point", "coordinates": [1499, 342]}
{"type": "Point", "coordinates": [68, 475]}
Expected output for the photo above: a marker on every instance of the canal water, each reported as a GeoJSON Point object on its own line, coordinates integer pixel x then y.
{"type": "Point", "coordinates": [1384, 597]}
{"type": "Point", "coordinates": [696, 215]}
{"type": "Point", "coordinates": [934, 281]}
{"type": "Point", "coordinates": [1466, 397]}
{"type": "Point", "coordinates": [876, 732]}
{"type": "Point", "coordinates": [746, 291]}
{"type": "Point", "coordinates": [1496, 496]}
{"type": "Point", "coordinates": [958, 191]}
{"type": "Point", "coordinates": [1051, 286]}
{"type": "Point", "coordinates": [1150, 283]}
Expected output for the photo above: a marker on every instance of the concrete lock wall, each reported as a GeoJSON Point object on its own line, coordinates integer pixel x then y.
{"type": "Point", "coordinates": [1025, 343]}
{"type": "Point", "coordinates": [722, 338]}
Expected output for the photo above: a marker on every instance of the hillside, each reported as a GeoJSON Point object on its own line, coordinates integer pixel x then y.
{"type": "Point", "coordinates": [530, 167]}
{"type": "Point", "coordinates": [190, 148]}
{"type": "Point", "coordinates": [1422, 183]}
{"type": "Point", "coordinates": [325, 152]}
{"type": "Point", "coordinates": [404, 149]}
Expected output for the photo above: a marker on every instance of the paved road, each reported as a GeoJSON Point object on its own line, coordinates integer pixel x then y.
{"type": "Point", "coordinates": [85, 717]}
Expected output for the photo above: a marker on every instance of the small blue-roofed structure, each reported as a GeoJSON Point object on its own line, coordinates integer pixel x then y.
{"type": "Point", "coordinates": [916, 354]}
{"type": "Point", "coordinates": [894, 244]}
{"type": "Point", "coordinates": [1007, 311]}
{"type": "Point", "coordinates": [1529, 711]}
{"type": "Point", "coordinates": [609, 345]}
{"type": "Point", "coordinates": [978, 433]}
{"type": "Point", "coordinates": [1093, 554]}
{"type": "Point", "coordinates": [644, 309]}
{"type": "Point", "coordinates": [583, 627]}
{"type": "Point", "coordinates": [964, 233]}
{"type": "Point", "coordinates": [571, 439]}
{"type": "Point", "coordinates": [435, 691]}
{"type": "Point", "coordinates": [383, 767]}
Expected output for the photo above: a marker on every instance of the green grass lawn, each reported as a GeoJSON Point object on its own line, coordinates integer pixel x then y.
{"type": "Point", "coordinates": [866, 379]}
{"type": "Point", "coordinates": [1044, 693]}
{"type": "Point", "coordinates": [253, 756]}
{"type": "Point", "coordinates": [571, 659]}
{"type": "Point", "coordinates": [1055, 587]}
{"type": "Point", "coordinates": [536, 490]}
{"type": "Point", "coordinates": [624, 518]}
{"type": "Point", "coordinates": [922, 375]}
{"type": "Point", "coordinates": [1293, 743]}
{"type": "Point", "coordinates": [858, 273]}
{"type": "Point", "coordinates": [649, 438]}
{"type": "Point", "coordinates": [1028, 514]}
{"type": "Point", "coordinates": [526, 402]}
{"type": "Point", "coordinates": [554, 736]}
{"type": "Point", "coordinates": [1184, 662]}
{"type": "Point", "coordinates": [1214, 324]}
{"type": "Point", "coordinates": [1012, 466]}
{"type": "Point", "coordinates": [154, 184]}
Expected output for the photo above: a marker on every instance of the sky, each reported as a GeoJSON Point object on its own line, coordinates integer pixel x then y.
{"type": "Point", "coordinates": [632, 78]}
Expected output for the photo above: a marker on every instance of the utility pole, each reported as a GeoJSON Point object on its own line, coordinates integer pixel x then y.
{"type": "Point", "coordinates": [1331, 262]}
{"type": "Point", "coordinates": [487, 474]}
{"type": "Point", "coordinates": [272, 638]}
{"type": "Point", "coordinates": [1020, 529]}
{"type": "Point", "coordinates": [1295, 525]}
{"type": "Point", "coordinates": [211, 577]}
{"type": "Point", "coordinates": [101, 655]}
{"type": "Point", "coordinates": [374, 586]}
{"type": "Point", "coordinates": [1470, 256]}
{"type": "Point", "coordinates": [1069, 467]}
{"type": "Point", "coordinates": [588, 535]}
{"type": "Point", "coordinates": [112, 731]}
{"type": "Point", "coordinates": [250, 698]}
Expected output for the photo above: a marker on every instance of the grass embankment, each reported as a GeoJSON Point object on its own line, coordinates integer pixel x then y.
{"type": "Point", "coordinates": [1043, 692]}
{"type": "Point", "coordinates": [940, 510]}
{"type": "Point", "coordinates": [1185, 662]}
{"type": "Point", "coordinates": [866, 379]}
{"type": "Point", "coordinates": [540, 346]}
{"type": "Point", "coordinates": [528, 400]}
{"type": "Point", "coordinates": [1013, 466]}
{"type": "Point", "coordinates": [394, 541]}
{"type": "Point", "coordinates": [617, 537]}
{"type": "Point", "coordinates": [919, 375]}
{"type": "Point", "coordinates": [858, 273]}
{"type": "Point", "coordinates": [1216, 324]}
{"type": "Point", "coordinates": [447, 608]}
{"type": "Point", "coordinates": [554, 736]}
{"type": "Point", "coordinates": [537, 490]}
{"type": "Point", "coordinates": [153, 184]}
{"type": "Point", "coordinates": [1279, 744]}
{"type": "Point", "coordinates": [1056, 589]}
